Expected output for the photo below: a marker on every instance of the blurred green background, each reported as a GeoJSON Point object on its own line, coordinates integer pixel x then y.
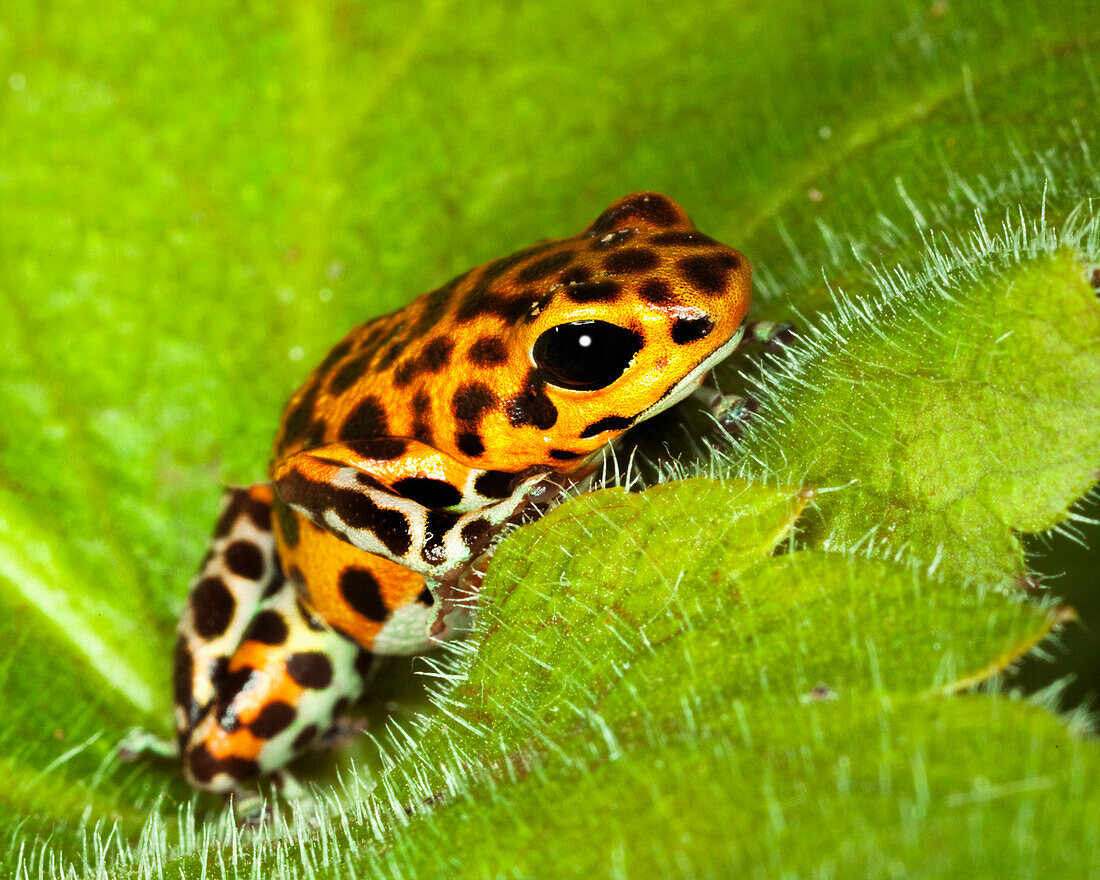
{"type": "Point", "coordinates": [197, 200]}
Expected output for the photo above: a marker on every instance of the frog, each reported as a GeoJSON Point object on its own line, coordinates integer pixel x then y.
{"type": "Point", "coordinates": [421, 438]}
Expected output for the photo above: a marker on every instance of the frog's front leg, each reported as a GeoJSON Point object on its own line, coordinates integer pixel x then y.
{"type": "Point", "coordinates": [731, 411]}
{"type": "Point", "coordinates": [407, 501]}
{"type": "Point", "coordinates": [774, 335]}
{"type": "Point", "coordinates": [258, 679]}
{"type": "Point", "coordinates": [734, 412]}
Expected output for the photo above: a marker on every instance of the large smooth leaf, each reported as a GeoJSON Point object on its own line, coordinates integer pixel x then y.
{"type": "Point", "coordinates": [197, 200]}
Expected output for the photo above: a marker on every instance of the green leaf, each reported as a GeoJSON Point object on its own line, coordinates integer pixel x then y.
{"type": "Point", "coordinates": [572, 599]}
{"type": "Point", "coordinates": [892, 791]}
{"type": "Point", "coordinates": [936, 407]}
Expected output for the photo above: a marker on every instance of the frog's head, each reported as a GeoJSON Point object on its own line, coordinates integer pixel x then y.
{"type": "Point", "coordinates": [541, 357]}
{"type": "Point", "coordinates": [624, 320]}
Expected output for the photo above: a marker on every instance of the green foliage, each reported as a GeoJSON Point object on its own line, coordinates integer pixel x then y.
{"type": "Point", "coordinates": [705, 679]}
{"type": "Point", "coordinates": [931, 408]}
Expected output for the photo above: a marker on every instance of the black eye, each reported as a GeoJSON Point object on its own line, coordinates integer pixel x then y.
{"type": "Point", "coordinates": [585, 355]}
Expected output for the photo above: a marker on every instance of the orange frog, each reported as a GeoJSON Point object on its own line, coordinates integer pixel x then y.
{"type": "Point", "coordinates": [410, 446]}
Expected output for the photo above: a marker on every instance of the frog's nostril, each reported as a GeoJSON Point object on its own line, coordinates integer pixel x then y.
{"type": "Point", "coordinates": [685, 330]}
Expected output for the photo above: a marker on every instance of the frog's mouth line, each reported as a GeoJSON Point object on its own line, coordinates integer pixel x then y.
{"type": "Point", "coordinates": [693, 379]}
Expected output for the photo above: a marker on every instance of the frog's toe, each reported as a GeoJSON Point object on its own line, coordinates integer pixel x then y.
{"type": "Point", "coordinates": [141, 743]}
{"type": "Point", "coordinates": [733, 414]}
{"type": "Point", "coordinates": [251, 809]}
{"type": "Point", "coordinates": [783, 335]}
{"type": "Point", "coordinates": [774, 335]}
{"type": "Point", "coordinates": [342, 732]}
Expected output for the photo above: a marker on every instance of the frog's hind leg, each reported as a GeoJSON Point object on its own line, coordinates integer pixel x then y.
{"type": "Point", "coordinates": [258, 679]}
{"type": "Point", "coordinates": [281, 693]}
{"type": "Point", "coordinates": [239, 568]}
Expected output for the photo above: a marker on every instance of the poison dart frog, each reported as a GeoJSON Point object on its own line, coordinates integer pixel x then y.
{"type": "Point", "coordinates": [416, 440]}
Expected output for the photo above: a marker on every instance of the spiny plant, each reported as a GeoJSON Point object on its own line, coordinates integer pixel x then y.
{"type": "Point", "coordinates": [790, 656]}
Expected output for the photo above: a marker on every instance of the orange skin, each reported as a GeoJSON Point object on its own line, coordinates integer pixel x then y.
{"type": "Point", "coordinates": [242, 742]}
{"type": "Point", "coordinates": [478, 330]}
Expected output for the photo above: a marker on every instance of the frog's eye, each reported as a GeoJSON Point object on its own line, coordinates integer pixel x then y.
{"type": "Point", "coordinates": [585, 355]}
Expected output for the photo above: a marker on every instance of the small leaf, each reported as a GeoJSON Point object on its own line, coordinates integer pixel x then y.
{"type": "Point", "coordinates": [633, 566]}
{"type": "Point", "coordinates": [947, 415]}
